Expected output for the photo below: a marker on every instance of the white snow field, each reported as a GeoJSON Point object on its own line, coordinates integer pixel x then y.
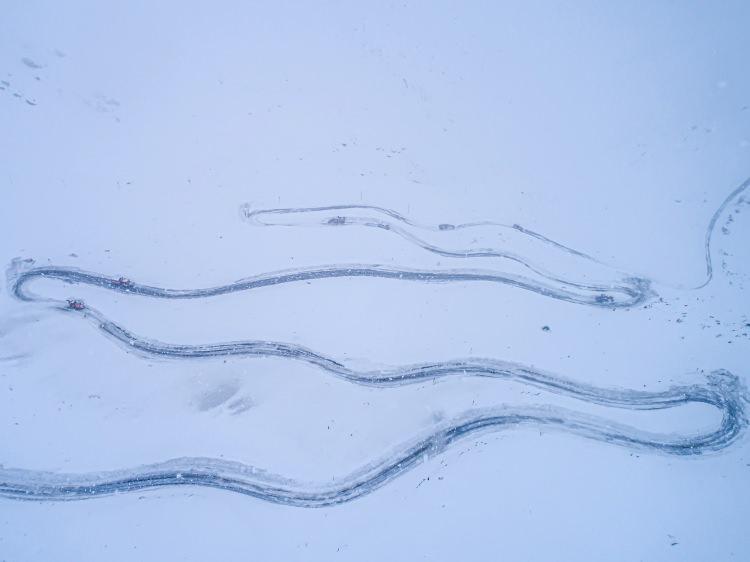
{"type": "Point", "coordinates": [374, 281]}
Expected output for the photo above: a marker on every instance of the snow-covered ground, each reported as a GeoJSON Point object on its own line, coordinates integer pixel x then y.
{"type": "Point", "coordinates": [317, 281]}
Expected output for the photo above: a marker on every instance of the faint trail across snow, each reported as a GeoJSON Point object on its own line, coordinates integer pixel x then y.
{"type": "Point", "coordinates": [484, 242]}
{"type": "Point", "coordinates": [736, 194]}
{"type": "Point", "coordinates": [479, 240]}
